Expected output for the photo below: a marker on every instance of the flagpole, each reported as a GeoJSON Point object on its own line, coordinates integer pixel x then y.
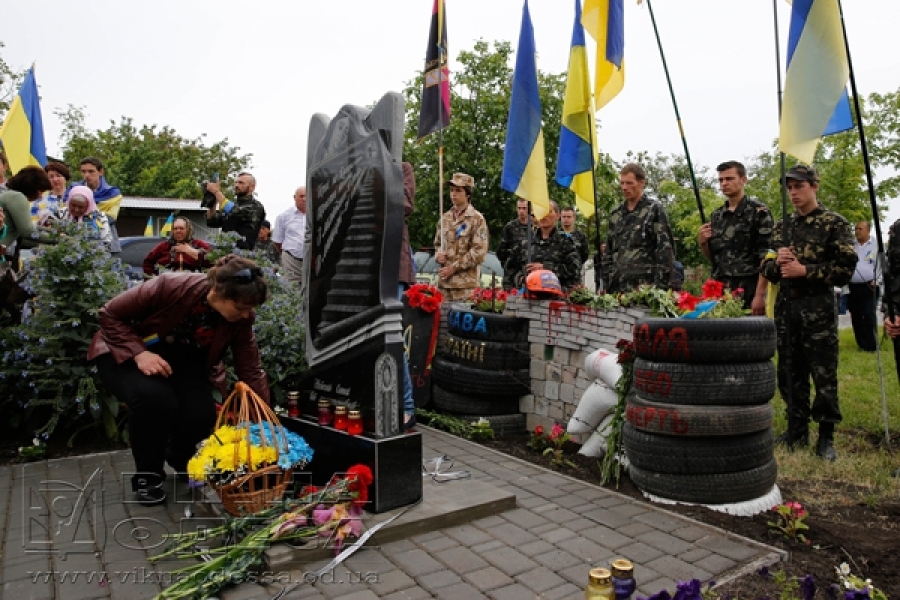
{"type": "Point", "coordinates": [687, 153]}
{"type": "Point", "coordinates": [785, 351]}
{"type": "Point", "coordinates": [871, 185]}
{"type": "Point", "coordinates": [597, 255]}
{"type": "Point", "coordinates": [440, 100]}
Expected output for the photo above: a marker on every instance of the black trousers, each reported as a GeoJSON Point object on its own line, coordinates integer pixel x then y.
{"type": "Point", "coordinates": [167, 417]}
{"type": "Point", "coordinates": [861, 305]}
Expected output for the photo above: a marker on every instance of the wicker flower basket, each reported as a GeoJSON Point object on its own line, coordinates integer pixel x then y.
{"type": "Point", "coordinates": [258, 488]}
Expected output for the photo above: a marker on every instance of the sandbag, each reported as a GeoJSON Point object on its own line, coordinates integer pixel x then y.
{"type": "Point", "coordinates": [596, 402]}
{"type": "Point", "coordinates": [601, 364]}
{"type": "Point", "coordinates": [596, 444]}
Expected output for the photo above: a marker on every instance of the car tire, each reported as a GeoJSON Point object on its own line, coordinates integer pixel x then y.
{"type": "Point", "coordinates": [467, 404]}
{"type": "Point", "coordinates": [717, 488]}
{"type": "Point", "coordinates": [480, 382]}
{"type": "Point", "coordinates": [471, 324]}
{"type": "Point", "coordinates": [714, 341]}
{"type": "Point", "coordinates": [481, 354]}
{"type": "Point", "coordinates": [696, 455]}
{"type": "Point", "coordinates": [682, 420]}
{"type": "Point", "coordinates": [717, 384]}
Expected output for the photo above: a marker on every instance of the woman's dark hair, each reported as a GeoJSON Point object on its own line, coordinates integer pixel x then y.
{"type": "Point", "coordinates": [59, 167]}
{"type": "Point", "coordinates": [31, 181]}
{"type": "Point", "coordinates": [238, 279]}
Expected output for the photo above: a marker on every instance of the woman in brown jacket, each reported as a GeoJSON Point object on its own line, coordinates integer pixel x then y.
{"type": "Point", "coordinates": [159, 350]}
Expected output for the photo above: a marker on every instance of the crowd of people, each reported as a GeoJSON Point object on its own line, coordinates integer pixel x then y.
{"type": "Point", "coordinates": [160, 344]}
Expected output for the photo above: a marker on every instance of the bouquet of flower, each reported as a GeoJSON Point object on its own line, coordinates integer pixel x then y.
{"type": "Point", "coordinates": [490, 299]}
{"type": "Point", "coordinates": [234, 451]}
{"type": "Point", "coordinates": [424, 296]}
{"type": "Point", "coordinates": [333, 512]}
{"type": "Point", "coordinates": [716, 301]}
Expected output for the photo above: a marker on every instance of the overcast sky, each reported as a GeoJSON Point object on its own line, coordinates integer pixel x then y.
{"type": "Point", "coordinates": [255, 72]}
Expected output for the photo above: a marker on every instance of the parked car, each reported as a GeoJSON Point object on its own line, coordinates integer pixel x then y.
{"type": "Point", "coordinates": [134, 250]}
{"type": "Point", "coordinates": [427, 268]}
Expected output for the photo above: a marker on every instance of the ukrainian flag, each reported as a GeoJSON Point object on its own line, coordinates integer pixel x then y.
{"type": "Point", "coordinates": [167, 227]}
{"type": "Point", "coordinates": [22, 133]}
{"type": "Point", "coordinates": [524, 166]}
{"type": "Point", "coordinates": [815, 99]}
{"type": "Point", "coordinates": [148, 230]}
{"type": "Point", "coordinates": [604, 20]}
{"type": "Point", "coordinates": [575, 163]}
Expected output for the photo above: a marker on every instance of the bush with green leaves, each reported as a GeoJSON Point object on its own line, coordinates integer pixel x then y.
{"type": "Point", "coordinates": [45, 379]}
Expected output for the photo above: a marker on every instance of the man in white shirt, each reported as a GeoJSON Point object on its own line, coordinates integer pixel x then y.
{"type": "Point", "coordinates": [863, 287]}
{"type": "Point", "coordinates": [288, 236]}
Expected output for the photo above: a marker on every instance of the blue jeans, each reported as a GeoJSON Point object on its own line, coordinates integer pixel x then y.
{"type": "Point", "coordinates": [409, 405]}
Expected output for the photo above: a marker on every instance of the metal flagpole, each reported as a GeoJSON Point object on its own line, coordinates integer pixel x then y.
{"type": "Point", "coordinates": [687, 153]}
{"type": "Point", "coordinates": [441, 58]}
{"type": "Point", "coordinates": [891, 309]}
{"type": "Point", "coordinates": [784, 353]}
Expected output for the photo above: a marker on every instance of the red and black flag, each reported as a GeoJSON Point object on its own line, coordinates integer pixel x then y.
{"type": "Point", "coordinates": [435, 109]}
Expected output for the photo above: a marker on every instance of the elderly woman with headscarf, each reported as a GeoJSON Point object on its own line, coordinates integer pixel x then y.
{"type": "Point", "coordinates": [181, 252]}
{"type": "Point", "coordinates": [81, 208]}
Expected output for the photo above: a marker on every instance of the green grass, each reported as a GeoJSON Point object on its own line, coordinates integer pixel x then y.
{"type": "Point", "coordinates": [864, 464]}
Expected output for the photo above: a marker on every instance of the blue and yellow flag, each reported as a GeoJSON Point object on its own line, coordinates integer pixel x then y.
{"type": "Point", "coordinates": [167, 227]}
{"type": "Point", "coordinates": [148, 230]}
{"type": "Point", "coordinates": [577, 156]}
{"type": "Point", "coordinates": [815, 99]}
{"type": "Point", "coordinates": [604, 20]}
{"type": "Point", "coordinates": [22, 133]}
{"type": "Point", "coordinates": [524, 166]}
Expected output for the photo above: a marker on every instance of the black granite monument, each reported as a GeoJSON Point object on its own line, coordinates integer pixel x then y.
{"type": "Point", "coordinates": [353, 316]}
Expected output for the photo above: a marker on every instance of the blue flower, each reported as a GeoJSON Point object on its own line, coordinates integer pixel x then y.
{"type": "Point", "coordinates": [808, 587]}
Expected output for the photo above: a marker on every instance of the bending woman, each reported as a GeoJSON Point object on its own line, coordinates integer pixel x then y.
{"type": "Point", "coordinates": [159, 350]}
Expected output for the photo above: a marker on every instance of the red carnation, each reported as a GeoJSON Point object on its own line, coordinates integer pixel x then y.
{"type": "Point", "coordinates": [712, 289]}
{"type": "Point", "coordinates": [687, 301]}
{"type": "Point", "coordinates": [539, 430]}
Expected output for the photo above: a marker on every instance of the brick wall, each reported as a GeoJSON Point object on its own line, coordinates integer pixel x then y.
{"type": "Point", "coordinates": [560, 337]}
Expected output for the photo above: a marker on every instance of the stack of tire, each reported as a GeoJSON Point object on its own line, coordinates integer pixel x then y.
{"type": "Point", "coordinates": [481, 368]}
{"type": "Point", "coordinates": [699, 424]}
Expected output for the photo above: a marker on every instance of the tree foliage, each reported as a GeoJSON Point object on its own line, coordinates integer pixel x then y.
{"type": "Point", "coordinates": [149, 161]}
{"type": "Point", "coordinates": [10, 81]}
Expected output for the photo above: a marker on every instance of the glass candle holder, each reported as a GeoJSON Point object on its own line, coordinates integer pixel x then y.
{"type": "Point", "coordinates": [340, 418]}
{"type": "Point", "coordinates": [325, 416]}
{"type": "Point", "coordinates": [293, 404]}
{"type": "Point", "coordinates": [354, 423]}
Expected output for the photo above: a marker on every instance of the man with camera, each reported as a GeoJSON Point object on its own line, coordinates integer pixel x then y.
{"type": "Point", "coordinates": [243, 216]}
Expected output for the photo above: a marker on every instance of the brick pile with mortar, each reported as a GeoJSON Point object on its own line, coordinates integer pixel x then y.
{"type": "Point", "coordinates": [560, 336]}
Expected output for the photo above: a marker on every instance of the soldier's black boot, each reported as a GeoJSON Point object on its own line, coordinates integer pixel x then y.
{"type": "Point", "coordinates": [825, 445]}
{"type": "Point", "coordinates": [795, 436]}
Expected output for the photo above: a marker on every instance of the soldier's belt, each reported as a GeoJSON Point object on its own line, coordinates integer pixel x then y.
{"type": "Point", "coordinates": [807, 290]}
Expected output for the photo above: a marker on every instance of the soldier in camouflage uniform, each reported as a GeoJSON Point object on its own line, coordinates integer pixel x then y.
{"type": "Point", "coordinates": [819, 256]}
{"type": "Point", "coordinates": [465, 242]}
{"type": "Point", "coordinates": [892, 294]}
{"type": "Point", "coordinates": [513, 235]}
{"type": "Point", "coordinates": [244, 216]}
{"type": "Point", "coordinates": [551, 249]}
{"type": "Point", "coordinates": [567, 217]}
{"type": "Point", "coordinates": [639, 248]}
{"type": "Point", "coordinates": [737, 238]}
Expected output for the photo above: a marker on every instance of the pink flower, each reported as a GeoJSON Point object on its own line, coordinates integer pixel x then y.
{"type": "Point", "coordinates": [322, 515]}
{"type": "Point", "coordinates": [556, 431]}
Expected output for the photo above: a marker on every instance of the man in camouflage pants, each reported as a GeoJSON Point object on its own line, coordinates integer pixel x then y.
{"type": "Point", "coordinates": [244, 216]}
{"type": "Point", "coordinates": [465, 236]}
{"type": "Point", "coordinates": [512, 237]}
{"type": "Point", "coordinates": [737, 238]}
{"type": "Point", "coordinates": [639, 248]}
{"type": "Point", "coordinates": [818, 257]}
{"type": "Point", "coordinates": [551, 249]}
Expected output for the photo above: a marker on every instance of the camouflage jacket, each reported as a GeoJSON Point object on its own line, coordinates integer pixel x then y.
{"type": "Point", "coordinates": [244, 218]}
{"type": "Point", "coordinates": [581, 243]}
{"type": "Point", "coordinates": [740, 238]}
{"type": "Point", "coordinates": [639, 247]}
{"type": "Point", "coordinates": [513, 236]}
{"type": "Point", "coordinates": [267, 248]}
{"type": "Point", "coordinates": [466, 242]}
{"type": "Point", "coordinates": [823, 242]}
{"type": "Point", "coordinates": [557, 253]}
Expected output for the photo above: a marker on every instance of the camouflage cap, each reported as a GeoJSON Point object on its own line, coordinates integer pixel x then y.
{"type": "Point", "coordinates": [462, 180]}
{"type": "Point", "coordinates": [802, 173]}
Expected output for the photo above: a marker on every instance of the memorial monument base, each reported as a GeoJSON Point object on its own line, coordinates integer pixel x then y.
{"type": "Point", "coordinates": [396, 462]}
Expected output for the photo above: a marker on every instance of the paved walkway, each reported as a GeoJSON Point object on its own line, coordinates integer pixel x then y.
{"type": "Point", "coordinates": [69, 534]}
